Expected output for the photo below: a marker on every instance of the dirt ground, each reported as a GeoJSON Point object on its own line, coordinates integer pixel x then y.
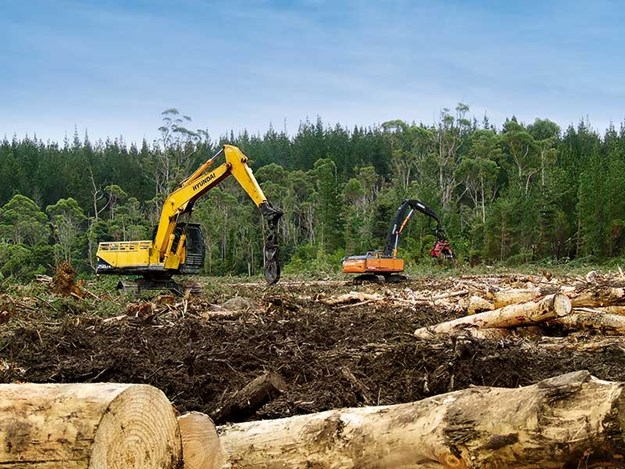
{"type": "Point", "coordinates": [329, 356]}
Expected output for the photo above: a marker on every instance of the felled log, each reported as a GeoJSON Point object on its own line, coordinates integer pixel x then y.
{"type": "Point", "coordinates": [605, 323]}
{"type": "Point", "coordinates": [361, 388]}
{"type": "Point", "coordinates": [477, 304]}
{"type": "Point", "coordinates": [510, 296]}
{"type": "Point", "coordinates": [249, 399]}
{"type": "Point", "coordinates": [499, 334]}
{"type": "Point", "coordinates": [351, 297]}
{"type": "Point", "coordinates": [589, 296]}
{"type": "Point", "coordinates": [572, 420]}
{"type": "Point", "coordinates": [201, 448]}
{"type": "Point", "coordinates": [532, 312]}
{"type": "Point", "coordinates": [98, 426]}
{"type": "Point", "coordinates": [593, 297]}
{"type": "Point", "coordinates": [620, 310]}
{"type": "Point", "coordinates": [221, 314]}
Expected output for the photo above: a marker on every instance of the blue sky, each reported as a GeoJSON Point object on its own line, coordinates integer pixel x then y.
{"type": "Point", "coordinates": [110, 67]}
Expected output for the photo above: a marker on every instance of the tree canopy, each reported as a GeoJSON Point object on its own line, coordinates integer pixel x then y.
{"type": "Point", "coordinates": [522, 193]}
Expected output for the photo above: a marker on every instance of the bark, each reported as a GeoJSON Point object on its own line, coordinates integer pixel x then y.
{"type": "Point", "coordinates": [592, 297]}
{"type": "Point", "coordinates": [99, 426]}
{"type": "Point", "coordinates": [477, 304]}
{"type": "Point", "coordinates": [201, 448]}
{"type": "Point", "coordinates": [569, 421]}
{"type": "Point", "coordinates": [620, 310]}
{"type": "Point", "coordinates": [252, 397]}
{"type": "Point", "coordinates": [604, 323]}
{"type": "Point", "coordinates": [533, 312]}
{"type": "Point", "coordinates": [511, 296]}
{"type": "Point", "coordinates": [489, 334]}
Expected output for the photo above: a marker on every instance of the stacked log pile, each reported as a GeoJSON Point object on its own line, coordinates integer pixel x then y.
{"type": "Point", "coordinates": [595, 303]}
{"type": "Point", "coordinates": [506, 306]}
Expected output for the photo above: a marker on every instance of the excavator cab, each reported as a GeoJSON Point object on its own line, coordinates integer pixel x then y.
{"type": "Point", "coordinates": [195, 248]}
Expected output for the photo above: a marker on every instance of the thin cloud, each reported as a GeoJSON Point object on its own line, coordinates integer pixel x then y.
{"type": "Point", "coordinates": [111, 67]}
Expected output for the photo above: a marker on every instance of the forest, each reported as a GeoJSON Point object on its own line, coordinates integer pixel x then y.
{"type": "Point", "coordinates": [522, 193]}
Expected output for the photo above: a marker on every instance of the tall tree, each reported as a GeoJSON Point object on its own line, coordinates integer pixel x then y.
{"type": "Point", "coordinates": [68, 225]}
{"type": "Point", "coordinates": [329, 204]}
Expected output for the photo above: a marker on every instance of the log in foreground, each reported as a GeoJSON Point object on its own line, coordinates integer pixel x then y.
{"type": "Point", "coordinates": [201, 448]}
{"type": "Point", "coordinates": [103, 426]}
{"type": "Point", "coordinates": [532, 312]}
{"type": "Point", "coordinates": [569, 421]}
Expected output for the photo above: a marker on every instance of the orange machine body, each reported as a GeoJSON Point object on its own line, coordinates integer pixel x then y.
{"type": "Point", "coordinates": [372, 262]}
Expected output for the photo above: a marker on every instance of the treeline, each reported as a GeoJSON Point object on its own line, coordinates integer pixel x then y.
{"type": "Point", "coordinates": [521, 193]}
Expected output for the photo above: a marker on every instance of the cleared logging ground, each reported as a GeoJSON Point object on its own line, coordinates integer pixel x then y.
{"type": "Point", "coordinates": [331, 351]}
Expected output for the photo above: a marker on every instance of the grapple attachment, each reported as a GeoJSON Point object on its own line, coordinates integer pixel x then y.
{"type": "Point", "coordinates": [442, 248]}
{"type": "Point", "coordinates": [271, 250]}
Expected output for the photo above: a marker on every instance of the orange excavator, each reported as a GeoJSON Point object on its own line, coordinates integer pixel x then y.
{"type": "Point", "coordinates": [385, 265]}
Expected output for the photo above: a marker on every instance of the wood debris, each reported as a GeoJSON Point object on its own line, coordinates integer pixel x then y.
{"type": "Point", "coordinates": [596, 304]}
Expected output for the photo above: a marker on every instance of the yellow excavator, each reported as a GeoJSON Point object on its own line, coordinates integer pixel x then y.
{"type": "Point", "coordinates": [178, 245]}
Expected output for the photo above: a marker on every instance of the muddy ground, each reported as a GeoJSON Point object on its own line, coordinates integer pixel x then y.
{"type": "Point", "coordinates": [199, 360]}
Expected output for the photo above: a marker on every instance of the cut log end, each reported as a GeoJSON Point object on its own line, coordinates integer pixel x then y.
{"type": "Point", "coordinates": [562, 305]}
{"type": "Point", "coordinates": [138, 429]}
{"type": "Point", "coordinates": [201, 448]}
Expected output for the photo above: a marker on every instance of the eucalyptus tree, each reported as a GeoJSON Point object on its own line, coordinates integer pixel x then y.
{"type": "Point", "coordinates": [546, 134]}
{"type": "Point", "coordinates": [478, 170]}
{"type": "Point", "coordinates": [411, 151]}
{"type": "Point", "coordinates": [174, 156]}
{"type": "Point", "coordinates": [24, 238]}
{"type": "Point", "coordinates": [522, 160]}
{"type": "Point", "coordinates": [68, 227]}
{"type": "Point", "coordinates": [23, 222]}
{"type": "Point", "coordinates": [354, 214]}
{"type": "Point", "coordinates": [451, 134]}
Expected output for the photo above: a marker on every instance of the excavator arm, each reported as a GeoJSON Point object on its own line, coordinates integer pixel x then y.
{"type": "Point", "coordinates": [166, 254]}
{"type": "Point", "coordinates": [181, 202]}
{"type": "Point", "coordinates": [402, 216]}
